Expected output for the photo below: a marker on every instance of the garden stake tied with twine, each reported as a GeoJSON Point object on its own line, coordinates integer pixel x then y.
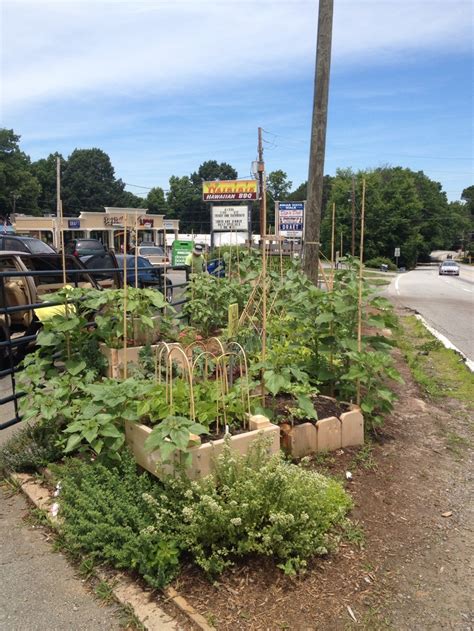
{"type": "Point", "coordinates": [359, 303]}
{"type": "Point", "coordinates": [125, 295]}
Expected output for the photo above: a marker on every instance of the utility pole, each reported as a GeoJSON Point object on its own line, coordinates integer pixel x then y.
{"type": "Point", "coordinates": [261, 187]}
{"type": "Point", "coordinates": [353, 218]}
{"type": "Point", "coordinates": [318, 141]}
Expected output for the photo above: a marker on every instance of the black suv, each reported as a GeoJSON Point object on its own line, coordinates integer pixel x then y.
{"type": "Point", "coordinates": [30, 245]}
{"type": "Point", "coordinates": [85, 247]}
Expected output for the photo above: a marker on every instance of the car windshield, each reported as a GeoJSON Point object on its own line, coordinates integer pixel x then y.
{"type": "Point", "coordinates": [141, 262]}
{"type": "Point", "coordinates": [151, 251]}
{"type": "Point", "coordinates": [89, 245]}
{"type": "Point", "coordinates": [36, 246]}
{"type": "Point", "coordinates": [450, 264]}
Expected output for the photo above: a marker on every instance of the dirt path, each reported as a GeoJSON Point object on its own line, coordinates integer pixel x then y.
{"type": "Point", "coordinates": [408, 565]}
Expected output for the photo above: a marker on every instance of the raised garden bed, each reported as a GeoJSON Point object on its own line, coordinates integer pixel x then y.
{"type": "Point", "coordinates": [339, 425]}
{"type": "Point", "coordinates": [203, 455]}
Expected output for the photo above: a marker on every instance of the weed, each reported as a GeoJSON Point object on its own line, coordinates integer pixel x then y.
{"type": "Point", "coordinates": [354, 533]}
{"type": "Point", "coordinates": [211, 619]}
{"type": "Point", "coordinates": [86, 567]}
{"type": "Point", "coordinates": [104, 591]}
{"type": "Point", "coordinates": [365, 458]}
{"type": "Point", "coordinates": [128, 620]}
{"type": "Point", "coordinates": [455, 443]}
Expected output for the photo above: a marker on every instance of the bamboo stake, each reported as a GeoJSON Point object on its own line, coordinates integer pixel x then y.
{"type": "Point", "coordinates": [359, 311]}
{"type": "Point", "coordinates": [341, 249]}
{"type": "Point", "coordinates": [136, 249]}
{"type": "Point", "coordinates": [281, 260]}
{"type": "Point", "coordinates": [333, 239]}
{"type": "Point", "coordinates": [125, 292]}
{"type": "Point", "coordinates": [264, 312]}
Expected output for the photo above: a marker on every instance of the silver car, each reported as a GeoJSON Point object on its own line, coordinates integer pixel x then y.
{"type": "Point", "coordinates": [450, 268]}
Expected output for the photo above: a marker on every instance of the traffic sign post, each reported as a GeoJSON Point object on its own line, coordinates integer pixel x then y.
{"type": "Point", "coordinates": [397, 254]}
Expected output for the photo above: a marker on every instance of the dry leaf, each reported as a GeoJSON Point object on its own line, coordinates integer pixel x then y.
{"type": "Point", "coordinates": [447, 513]}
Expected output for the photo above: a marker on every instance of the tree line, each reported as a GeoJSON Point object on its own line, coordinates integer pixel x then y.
{"type": "Point", "coordinates": [404, 208]}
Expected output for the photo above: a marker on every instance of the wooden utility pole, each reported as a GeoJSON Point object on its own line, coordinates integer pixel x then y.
{"type": "Point", "coordinates": [261, 187]}
{"type": "Point", "coordinates": [353, 218]}
{"type": "Point", "coordinates": [318, 141]}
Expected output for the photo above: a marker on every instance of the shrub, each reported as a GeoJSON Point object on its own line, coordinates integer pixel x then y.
{"type": "Point", "coordinates": [380, 260]}
{"type": "Point", "coordinates": [106, 517]}
{"type": "Point", "coordinates": [31, 447]}
{"type": "Point", "coordinates": [254, 504]}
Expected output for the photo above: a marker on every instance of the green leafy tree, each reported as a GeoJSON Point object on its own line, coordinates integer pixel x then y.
{"type": "Point", "coordinates": [19, 188]}
{"type": "Point", "coordinates": [129, 200]}
{"type": "Point", "coordinates": [278, 189]}
{"type": "Point", "coordinates": [183, 200]}
{"type": "Point", "coordinates": [156, 201]}
{"type": "Point", "coordinates": [89, 182]}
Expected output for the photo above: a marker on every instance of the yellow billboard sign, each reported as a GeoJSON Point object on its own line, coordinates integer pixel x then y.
{"type": "Point", "coordinates": [226, 190]}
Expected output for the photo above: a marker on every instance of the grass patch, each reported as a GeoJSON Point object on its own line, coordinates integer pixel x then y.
{"type": "Point", "coordinates": [456, 443]}
{"type": "Point", "coordinates": [439, 371]}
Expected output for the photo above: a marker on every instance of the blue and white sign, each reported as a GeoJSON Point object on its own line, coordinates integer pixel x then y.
{"type": "Point", "coordinates": [290, 219]}
{"type": "Point", "coordinates": [73, 224]}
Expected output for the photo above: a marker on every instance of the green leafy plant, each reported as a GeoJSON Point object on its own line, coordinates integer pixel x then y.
{"type": "Point", "coordinates": [254, 504]}
{"type": "Point", "coordinates": [209, 299]}
{"type": "Point", "coordinates": [173, 436]}
{"type": "Point", "coordinates": [105, 516]}
{"type": "Point", "coordinates": [141, 306]}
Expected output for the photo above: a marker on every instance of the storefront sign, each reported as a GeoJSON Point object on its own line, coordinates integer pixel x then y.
{"type": "Point", "coordinates": [168, 224]}
{"type": "Point", "coordinates": [113, 221]}
{"type": "Point", "coordinates": [228, 190]}
{"type": "Point", "coordinates": [73, 224]}
{"type": "Point", "coordinates": [230, 218]}
{"type": "Point", "coordinates": [145, 222]}
{"type": "Point", "coordinates": [290, 219]}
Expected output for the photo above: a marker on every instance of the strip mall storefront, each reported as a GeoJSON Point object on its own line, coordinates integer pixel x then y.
{"type": "Point", "coordinates": [110, 227]}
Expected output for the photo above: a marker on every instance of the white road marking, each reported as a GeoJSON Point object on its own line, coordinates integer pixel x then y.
{"type": "Point", "coordinates": [445, 342]}
{"type": "Point", "coordinates": [396, 285]}
{"type": "Point", "coordinates": [457, 286]}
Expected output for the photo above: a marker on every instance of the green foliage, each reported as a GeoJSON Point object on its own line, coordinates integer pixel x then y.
{"type": "Point", "coordinates": [106, 517]}
{"type": "Point", "coordinates": [89, 182]}
{"type": "Point", "coordinates": [209, 299]}
{"type": "Point", "coordinates": [141, 307]}
{"type": "Point", "coordinates": [255, 504]}
{"type": "Point", "coordinates": [32, 446]}
{"type": "Point", "coordinates": [378, 261]}
{"type": "Point", "coordinates": [172, 435]}
{"type": "Point", "coordinates": [19, 189]}
{"type": "Point", "coordinates": [403, 209]}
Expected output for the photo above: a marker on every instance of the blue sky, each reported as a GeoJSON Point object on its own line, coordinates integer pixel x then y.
{"type": "Point", "coordinates": [163, 86]}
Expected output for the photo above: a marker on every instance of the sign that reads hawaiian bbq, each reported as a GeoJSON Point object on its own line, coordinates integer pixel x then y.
{"type": "Point", "coordinates": [230, 218]}
{"type": "Point", "coordinates": [229, 190]}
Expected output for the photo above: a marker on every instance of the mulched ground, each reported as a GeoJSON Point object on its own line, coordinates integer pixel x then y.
{"type": "Point", "coordinates": [406, 566]}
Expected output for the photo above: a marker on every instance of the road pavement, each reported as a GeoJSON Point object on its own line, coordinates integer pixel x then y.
{"type": "Point", "coordinates": [446, 302]}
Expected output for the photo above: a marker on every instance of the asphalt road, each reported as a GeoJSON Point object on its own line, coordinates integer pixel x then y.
{"type": "Point", "coordinates": [446, 302]}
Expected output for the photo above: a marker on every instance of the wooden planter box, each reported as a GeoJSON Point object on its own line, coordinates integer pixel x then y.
{"type": "Point", "coordinates": [203, 456]}
{"type": "Point", "coordinates": [116, 358]}
{"type": "Point", "coordinates": [328, 434]}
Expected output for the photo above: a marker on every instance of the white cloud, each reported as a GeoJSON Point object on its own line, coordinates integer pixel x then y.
{"type": "Point", "coordinates": [67, 49]}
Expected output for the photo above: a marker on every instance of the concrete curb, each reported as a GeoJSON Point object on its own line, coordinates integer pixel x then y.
{"type": "Point", "coordinates": [124, 589]}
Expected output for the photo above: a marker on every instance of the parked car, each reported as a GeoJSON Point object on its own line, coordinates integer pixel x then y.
{"type": "Point", "coordinates": [146, 274]}
{"type": "Point", "coordinates": [84, 247]}
{"type": "Point", "coordinates": [449, 268]}
{"type": "Point", "coordinates": [153, 253]}
{"type": "Point", "coordinates": [31, 245]}
{"type": "Point", "coordinates": [22, 291]}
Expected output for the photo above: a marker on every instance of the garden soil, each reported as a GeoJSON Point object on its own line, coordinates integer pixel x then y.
{"type": "Point", "coordinates": [408, 563]}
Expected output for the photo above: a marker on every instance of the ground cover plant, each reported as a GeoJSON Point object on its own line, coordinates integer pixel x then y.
{"type": "Point", "coordinates": [254, 504]}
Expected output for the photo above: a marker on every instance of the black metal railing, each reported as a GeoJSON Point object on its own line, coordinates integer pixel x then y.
{"type": "Point", "coordinates": [16, 340]}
